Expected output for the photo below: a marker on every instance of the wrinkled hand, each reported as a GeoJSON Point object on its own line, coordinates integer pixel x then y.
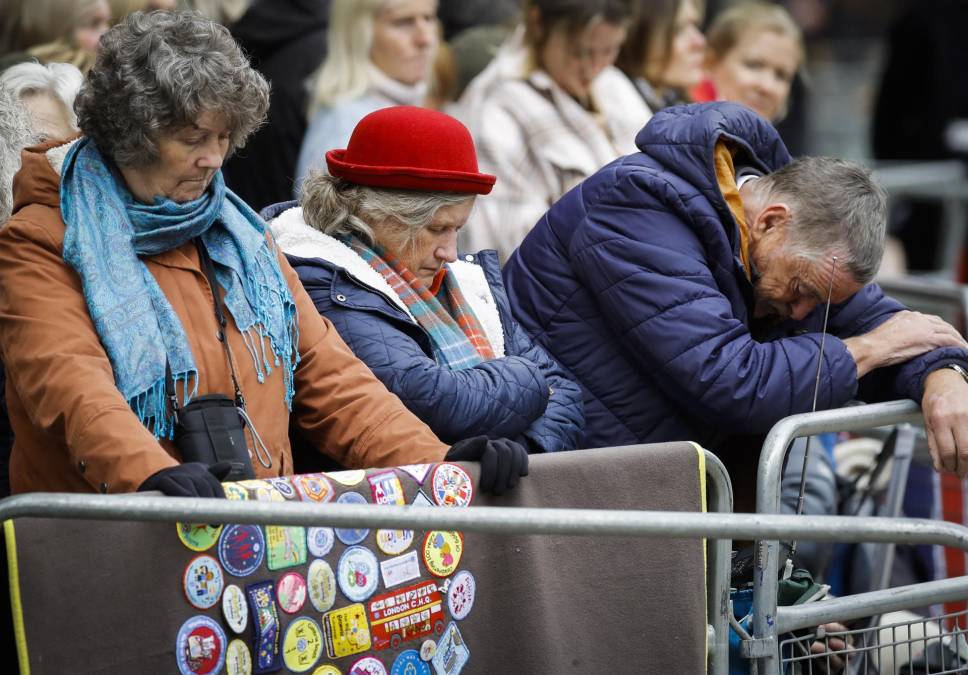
{"type": "Point", "coordinates": [901, 338]}
{"type": "Point", "coordinates": [945, 408]}
{"type": "Point", "coordinates": [503, 461]}
{"type": "Point", "coordinates": [192, 479]}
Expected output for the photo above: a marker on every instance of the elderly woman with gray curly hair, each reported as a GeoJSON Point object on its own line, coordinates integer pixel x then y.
{"type": "Point", "coordinates": [375, 245]}
{"type": "Point", "coordinates": [154, 336]}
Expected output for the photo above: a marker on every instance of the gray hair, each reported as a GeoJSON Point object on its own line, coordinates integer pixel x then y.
{"type": "Point", "coordinates": [158, 72]}
{"type": "Point", "coordinates": [837, 207]}
{"type": "Point", "coordinates": [60, 81]}
{"type": "Point", "coordinates": [15, 135]}
{"type": "Point", "coordinates": [339, 208]}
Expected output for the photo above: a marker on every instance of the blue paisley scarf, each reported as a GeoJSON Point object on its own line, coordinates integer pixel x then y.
{"type": "Point", "coordinates": [107, 233]}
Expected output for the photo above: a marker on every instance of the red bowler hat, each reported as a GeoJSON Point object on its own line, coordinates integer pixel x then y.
{"type": "Point", "coordinates": [410, 148]}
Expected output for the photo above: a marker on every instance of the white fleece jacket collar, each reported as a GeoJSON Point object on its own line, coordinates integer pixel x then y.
{"type": "Point", "coordinates": [295, 237]}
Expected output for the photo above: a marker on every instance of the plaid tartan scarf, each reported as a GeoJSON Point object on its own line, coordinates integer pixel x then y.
{"type": "Point", "coordinates": [456, 336]}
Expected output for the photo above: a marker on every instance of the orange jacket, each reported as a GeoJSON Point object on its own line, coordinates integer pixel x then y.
{"type": "Point", "coordinates": [74, 430]}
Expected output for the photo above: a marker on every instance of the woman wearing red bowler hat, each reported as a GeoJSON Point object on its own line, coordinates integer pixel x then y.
{"type": "Point", "coordinates": [374, 242]}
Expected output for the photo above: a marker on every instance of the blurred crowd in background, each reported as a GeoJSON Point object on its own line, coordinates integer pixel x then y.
{"type": "Point", "coordinates": [552, 90]}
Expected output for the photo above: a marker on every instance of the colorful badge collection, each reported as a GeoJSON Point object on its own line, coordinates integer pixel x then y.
{"type": "Point", "coordinates": [388, 604]}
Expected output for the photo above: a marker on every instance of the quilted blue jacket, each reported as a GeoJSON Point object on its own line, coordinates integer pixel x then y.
{"type": "Point", "coordinates": [524, 395]}
{"type": "Point", "coordinates": [633, 283]}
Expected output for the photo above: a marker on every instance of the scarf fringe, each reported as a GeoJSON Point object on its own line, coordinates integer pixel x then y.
{"type": "Point", "coordinates": [152, 408]}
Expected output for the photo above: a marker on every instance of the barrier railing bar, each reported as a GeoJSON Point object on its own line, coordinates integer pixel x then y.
{"type": "Point", "coordinates": [768, 494]}
{"type": "Point", "coordinates": [719, 498]}
{"type": "Point", "coordinates": [864, 605]}
{"type": "Point", "coordinates": [489, 519]}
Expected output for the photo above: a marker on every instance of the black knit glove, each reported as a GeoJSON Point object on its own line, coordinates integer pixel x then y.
{"type": "Point", "coordinates": [503, 461]}
{"type": "Point", "coordinates": [192, 479]}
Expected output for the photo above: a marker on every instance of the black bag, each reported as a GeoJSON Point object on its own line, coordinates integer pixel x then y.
{"type": "Point", "coordinates": [211, 430]}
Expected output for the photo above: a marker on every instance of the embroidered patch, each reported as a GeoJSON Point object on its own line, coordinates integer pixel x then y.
{"type": "Point", "coordinates": [284, 487]}
{"type": "Point", "coordinates": [452, 653]}
{"type": "Point", "coordinates": [291, 592]}
{"type": "Point", "coordinates": [198, 537]}
{"type": "Point", "coordinates": [235, 492]}
{"type": "Point", "coordinates": [451, 485]}
{"type": "Point", "coordinates": [234, 608]}
{"type": "Point", "coordinates": [319, 540]}
{"type": "Point", "coordinates": [241, 549]}
{"type": "Point", "coordinates": [238, 658]}
{"type": "Point", "coordinates": [203, 581]}
{"type": "Point", "coordinates": [314, 487]}
{"type": "Point", "coordinates": [357, 573]}
{"type": "Point", "coordinates": [303, 645]}
{"type": "Point", "coordinates": [417, 471]}
{"type": "Point", "coordinates": [350, 536]}
{"type": "Point", "coordinates": [460, 594]}
{"type": "Point", "coordinates": [409, 663]}
{"type": "Point", "coordinates": [200, 647]}
{"type": "Point", "coordinates": [265, 620]}
{"type": "Point", "coordinates": [421, 499]}
{"type": "Point", "coordinates": [387, 489]}
{"type": "Point", "coordinates": [261, 491]}
{"type": "Point", "coordinates": [399, 570]}
{"type": "Point", "coordinates": [327, 670]}
{"type": "Point", "coordinates": [442, 552]}
{"type": "Point", "coordinates": [347, 478]}
{"type": "Point", "coordinates": [408, 613]}
{"type": "Point", "coordinates": [427, 650]}
{"type": "Point", "coordinates": [346, 631]}
{"type": "Point", "coordinates": [322, 585]}
{"type": "Point", "coordinates": [285, 545]}
{"type": "Point", "coordinates": [394, 542]}
{"type": "Point", "coordinates": [368, 665]}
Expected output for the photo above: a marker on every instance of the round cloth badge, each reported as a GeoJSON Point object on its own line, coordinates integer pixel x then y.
{"type": "Point", "coordinates": [347, 478]}
{"type": "Point", "coordinates": [198, 537]}
{"type": "Point", "coordinates": [241, 549]}
{"type": "Point", "coordinates": [235, 608]}
{"type": "Point", "coordinates": [460, 595]}
{"type": "Point", "coordinates": [314, 487]}
{"type": "Point", "coordinates": [428, 650]}
{"type": "Point", "coordinates": [200, 647]}
{"type": "Point", "coordinates": [442, 552]}
{"type": "Point", "coordinates": [368, 665]}
{"type": "Point", "coordinates": [451, 485]}
{"type": "Point", "coordinates": [303, 645]}
{"type": "Point", "coordinates": [409, 663]}
{"type": "Point", "coordinates": [238, 658]}
{"type": "Point", "coordinates": [394, 542]}
{"type": "Point", "coordinates": [351, 536]}
{"type": "Point", "coordinates": [319, 541]}
{"type": "Point", "coordinates": [327, 670]}
{"type": "Point", "coordinates": [357, 573]}
{"type": "Point", "coordinates": [203, 581]}
{"type": "Point", "coordinates": [284, 487]}
{"type": "Point", "coordinates": [322, 585]}
{"type": "Point", "coordinates": [235, 492]}
{"type": "Point", "coordinates": [291, 592]}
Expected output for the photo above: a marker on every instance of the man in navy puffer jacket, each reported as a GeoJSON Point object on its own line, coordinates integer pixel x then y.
{"type": "Point", "coordinates": [683, 287]}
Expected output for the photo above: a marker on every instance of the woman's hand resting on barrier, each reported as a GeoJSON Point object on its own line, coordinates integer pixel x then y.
{"type": "Point", "coordinates": [503, 461]}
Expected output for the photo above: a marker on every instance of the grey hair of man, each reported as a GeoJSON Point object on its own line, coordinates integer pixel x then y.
{"type": "Point", "coordinates": [339, 208]}
{"type": "Point", "coordinates": [158, 72]}
{"type": "Point", "coordinates": [60, 81]}
{"type": "Point", "coordinates": [15, 135]}
{"type": "Point", "coordinates": [838, 209]}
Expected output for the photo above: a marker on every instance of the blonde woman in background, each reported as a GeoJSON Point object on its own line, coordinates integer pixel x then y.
{"type": "Point", "coordinates": [56, 31]}
{"type": "Point", "coordinates": [381, 53]}
{"type": "Point", "coordinates": [548, 111]}
{"type": "Point", "coordinates": [754, 52]}
{"type": "Point", "coordinates": [663, 55]}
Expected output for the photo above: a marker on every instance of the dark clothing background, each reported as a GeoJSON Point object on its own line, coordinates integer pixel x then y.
{"type": "Point", "coordinates": [458, 15]}
{"type": "Point", "coordinates": [286, 41]}
{"type": "Point", "coordinates": [924, 87]}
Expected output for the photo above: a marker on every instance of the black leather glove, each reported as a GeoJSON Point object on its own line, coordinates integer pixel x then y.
{"type": "Point", "coordinates": [192, 479]}
{"type": "Point", "coordinates": [503, 461]}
